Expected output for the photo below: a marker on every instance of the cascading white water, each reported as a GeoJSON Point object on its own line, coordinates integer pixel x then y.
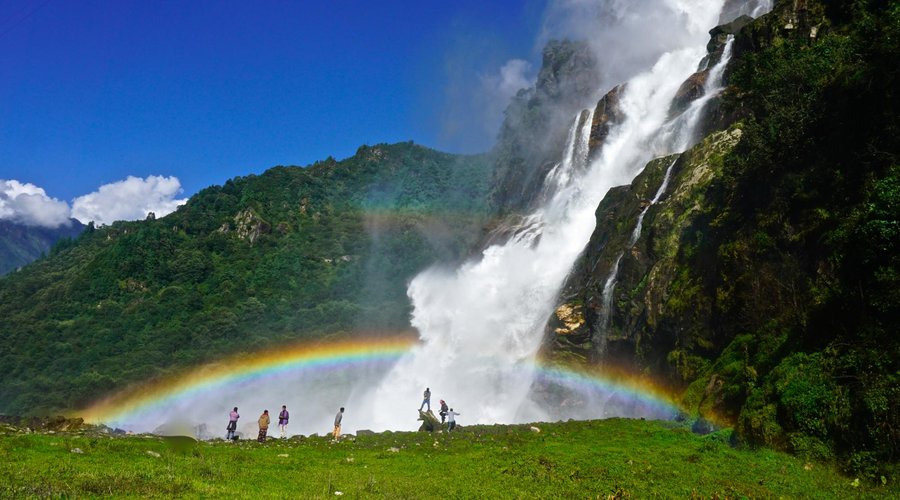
{"type": "Point", "coordinates": [659, 192]}
{"type": "Point", "coordinates": [680, 131]}
{"type": "Point", "coordinates": [481, 325]}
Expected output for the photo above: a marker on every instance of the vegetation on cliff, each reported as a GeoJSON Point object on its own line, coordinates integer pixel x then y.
{"type": "Point", "coordinates": [778, 303]}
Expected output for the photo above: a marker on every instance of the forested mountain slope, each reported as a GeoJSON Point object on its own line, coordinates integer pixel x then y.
{"type": "Point", "coordinates": [292, 253]}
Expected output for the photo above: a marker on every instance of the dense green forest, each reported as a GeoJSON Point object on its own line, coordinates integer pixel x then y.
{"type": "Point", "coordinates": [766, 285]}
{"type": "Point", "coordinates": [289, 254]}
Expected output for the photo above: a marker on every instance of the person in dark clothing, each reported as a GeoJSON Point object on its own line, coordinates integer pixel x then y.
{"type": "Point", "coordinates": [283, 418]}
{"type": "Point", "coordinates": [443, 412]}
{"type": "Point", "coordinates": [232, 424]}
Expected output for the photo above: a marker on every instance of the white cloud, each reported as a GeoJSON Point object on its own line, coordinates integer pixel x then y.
{"type": "Point", "coordinates": [27, 204]}
{"type": "Point", "coordinates": [130, 199]}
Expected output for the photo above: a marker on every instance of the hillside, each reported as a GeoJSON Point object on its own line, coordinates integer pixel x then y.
{"type": "Point", "coordinates": [764, 285]}
{"type": "Point", "coordinates": [21, 244]}
{"type": "Point", "coordinates": [597, 459]}
{"type": "Point", "coordinates": [289, 254]}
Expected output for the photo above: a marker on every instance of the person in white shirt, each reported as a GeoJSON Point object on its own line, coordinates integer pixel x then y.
{"type": "Point", "coordinates": [451, 420]}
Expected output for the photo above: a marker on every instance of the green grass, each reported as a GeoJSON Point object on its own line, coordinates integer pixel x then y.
{"type": "Point", "coordinates": [617, 457]}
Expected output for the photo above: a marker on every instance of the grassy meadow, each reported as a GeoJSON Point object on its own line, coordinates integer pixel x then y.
{"type": "Point", "coordinates": [614, 458]}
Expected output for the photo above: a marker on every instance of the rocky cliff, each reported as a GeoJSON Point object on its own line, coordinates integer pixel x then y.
{"type": "Point", "coordinates": [763, 284]}
{"type": "Point", "coordinates": [537, 121]}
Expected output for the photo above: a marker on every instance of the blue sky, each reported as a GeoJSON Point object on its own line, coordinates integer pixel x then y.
{"type": "Point", "coordinates": [94, 91]}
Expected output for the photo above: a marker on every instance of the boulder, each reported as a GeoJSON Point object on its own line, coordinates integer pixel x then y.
{"type": "Point", "coordinates": [607, 113]}
{"type": "Point", "coordinates": [430, 423]}
{"type": "Point", "coordinates": [692, 89]}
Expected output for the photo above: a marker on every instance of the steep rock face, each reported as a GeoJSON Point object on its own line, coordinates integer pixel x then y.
{"type": "Point", "coordinates": [537, 121]}
{"type": "Point", "coordinates": [764, 286]}
{"type": "Point", "coordinates": [607, 113]}
{"type": "Point", "coordinates": [250, 226]}
{"type": "Point", "coordinates": [646, 269]}
{"type": "Point", "coordinates": [693, 87]}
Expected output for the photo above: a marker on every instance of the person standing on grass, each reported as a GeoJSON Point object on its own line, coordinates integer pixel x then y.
{"type": "Point", "coordinates": [426, 399]}
{"type": "Point", "coordinates": [283, 420]}
{"type": "Point", "coordinates": [337, 423]}
{"type": "Point", "coordinates": [451, 420]}
{"type": "Point", "coordinates": [232, 423]}
{"type": "Point", "coordinates": [263, 426]}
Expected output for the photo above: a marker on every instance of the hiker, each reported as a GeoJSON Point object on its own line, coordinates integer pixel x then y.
{"type": "Point", "coordinates": [443, 412]}
{"type": "Point", "coordinates": [451, 420]}
{"type": "Point", "coordinates": [232, 423]}
{"type": "Point", "coordinates": [283, 420]}
{"type": "Point", "coordinates": [337, 423]}
{"type": "Point", "coordinates": [426, 399]}
{"type": "Point", "coordinates": [263, 426]}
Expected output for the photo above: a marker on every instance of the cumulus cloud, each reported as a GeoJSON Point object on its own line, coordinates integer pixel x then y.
{"type": "Point", "coordinates": [129, 199]}
{"type": "Point", "coordinates": [27, 204]}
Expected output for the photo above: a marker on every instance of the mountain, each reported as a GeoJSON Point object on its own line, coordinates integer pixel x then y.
{"type": "Point", "coordinates": [289, 254]}
{"type": "Point", "coordinates": [765, 283]}
{"type": "Point", "coordinates": [20, 244]}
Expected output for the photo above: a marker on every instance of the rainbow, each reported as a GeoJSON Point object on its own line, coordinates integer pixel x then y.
{"type": "Point", "coordinates": [247, 367]}
{"type": "Point", "coordinates": [623, 389]}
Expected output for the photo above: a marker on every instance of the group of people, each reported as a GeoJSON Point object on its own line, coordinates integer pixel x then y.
{"type": "Point", "coordinates": [264, 421]}
{"type": "Point", "coordinates": [445, 413]}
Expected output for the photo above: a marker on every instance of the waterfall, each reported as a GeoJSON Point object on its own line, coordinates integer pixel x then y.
{"type": "Point", "coordinates": [680, 131]}
{"type": "Point", "coordinates": [481, 324]}
{"type": "Point", "coordinates": [574, 157]}
{"type": "Point", "coordinates": [659, 192]}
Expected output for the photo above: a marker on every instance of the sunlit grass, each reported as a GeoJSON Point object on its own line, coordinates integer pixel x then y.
{"type": "Point", "coordinates": [629, 458]}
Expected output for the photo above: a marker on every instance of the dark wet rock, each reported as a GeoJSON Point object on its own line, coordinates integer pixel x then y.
{"type": "Point", "coordinates": [690, 90]}
{"type": "Point", "coordinates": [607, 113]}
{"type": "Point", "coordinates": [718, 36]}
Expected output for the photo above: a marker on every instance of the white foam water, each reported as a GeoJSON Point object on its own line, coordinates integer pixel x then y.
{"type": "Point", "coordinates": [481, 325]}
